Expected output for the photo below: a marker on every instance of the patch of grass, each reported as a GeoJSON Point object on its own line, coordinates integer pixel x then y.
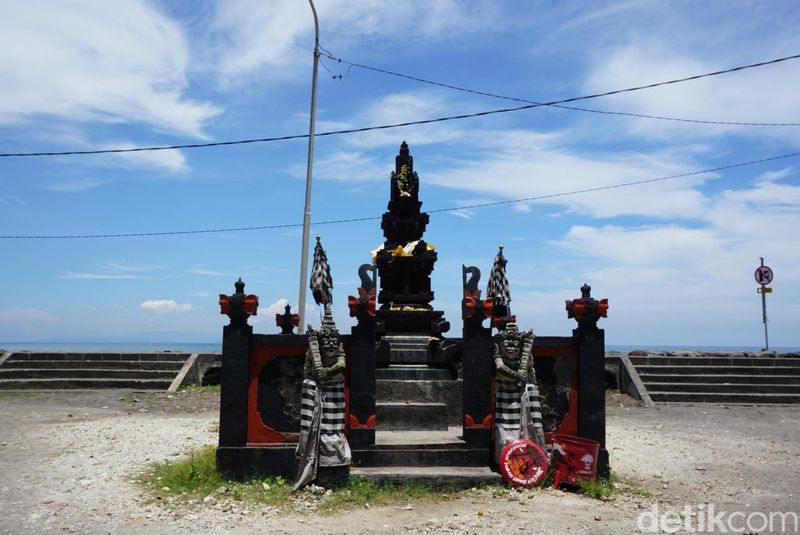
{"type": "Point", "coordinates": [214, 427]}
{"type": "Point", "coordinates": [629, 486]}
{"type": "Point", "coordinates": [18, 394]}
{"type": "Point", "coordinates": [199, 388]}
{"type": "Point", "coordinates": [137, 397]}
{"type": "Point", "coordinates": [194, 479]}
{"type": "Point", "coordinates": [195, 476]}
{"type": "Point", "coordinates": [601, 489]}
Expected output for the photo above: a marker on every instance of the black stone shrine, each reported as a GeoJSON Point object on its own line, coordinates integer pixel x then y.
{"type": "Point", "coordinates": [398, 329]}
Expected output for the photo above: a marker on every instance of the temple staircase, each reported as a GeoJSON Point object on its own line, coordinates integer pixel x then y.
{"type": "Point", "coordinates": [417, 397]}
{"type": "Point", "coordinates": [89, 371]}
{"type": "Point", "coordinates": [757, 380]}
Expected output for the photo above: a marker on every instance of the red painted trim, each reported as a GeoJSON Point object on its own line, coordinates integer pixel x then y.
{"type": "Point", "coordinates": [259, 434]}
{"type": "Point", "coordinates": [356, 424]}
{"type": "Point", "coordinates": [469, 422]}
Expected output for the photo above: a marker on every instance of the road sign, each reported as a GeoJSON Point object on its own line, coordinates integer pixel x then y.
{"type": "Point", "coordinates": [763, 275]}
{"type": "Point", "coordinates": [764, 290]}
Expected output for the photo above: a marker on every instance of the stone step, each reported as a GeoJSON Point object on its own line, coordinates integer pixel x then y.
{"type": "Point", "coordinates": [420, 390]}
{"type": "Point", "coordinates": [427, 455]}
{"type": "Point", "coordinates": [413, 372]}
{"type": "Point", "coordinates": [648, 378]}
{"type": "Point", "coordinates": [83, 384]}
{"type": "Point", "coordinates": [703, 397]}
{"type": "Point", "coordinates": [392, 416]}
{"type": "Point", "coordinates": [435, 476]}
{"type": "Point", "coordinates": [448, 392]}
{"type": "Point", "coordinates": [717, 370]}
{"type": "Point", "coordinates": [171, 365]}
{"type": "Point", "coordinates": [406, 348]}
{"type": "Point", "coordinates": [91, 373]}
{"type": "Point", "coordinates": [715, 361]}
{"type": "Point", "coordinates": [164, 356]}
{"type": "Point", "coordinates": [724, 388]}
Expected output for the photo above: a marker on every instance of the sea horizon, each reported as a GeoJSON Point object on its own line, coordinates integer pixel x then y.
{"type": "Point", "coordinates": [216, 347]}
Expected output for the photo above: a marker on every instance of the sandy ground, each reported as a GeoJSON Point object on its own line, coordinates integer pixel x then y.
{"type": "Point", "coordinates": [67, 460]}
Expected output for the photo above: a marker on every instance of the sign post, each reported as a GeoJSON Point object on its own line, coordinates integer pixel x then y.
{"type": "Point", "coordinates": [764, 276]}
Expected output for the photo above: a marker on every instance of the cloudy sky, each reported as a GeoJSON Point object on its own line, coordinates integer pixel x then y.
{"type": "Point", "coordinates": [674, 257]}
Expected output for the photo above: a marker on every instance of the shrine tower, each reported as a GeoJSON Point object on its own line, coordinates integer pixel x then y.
{"type": "Point", "coordinates": [408, 330]}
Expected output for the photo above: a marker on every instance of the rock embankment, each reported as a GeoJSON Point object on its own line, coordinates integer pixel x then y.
{"type": "Point", "coordinates": [700, 354]}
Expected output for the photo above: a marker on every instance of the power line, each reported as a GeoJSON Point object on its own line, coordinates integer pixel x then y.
{"type": "Point", "coordinates": [573, 108]}
{"type": "Point", "coordinates": [436, 211]}
{"type": "Point", "coordinates": [409, 123]}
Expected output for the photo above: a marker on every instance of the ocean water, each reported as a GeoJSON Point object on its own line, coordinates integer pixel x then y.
{"type": "Point", "coordinates": [38, 347]}
{"type": "Point", "coordinates": [55, 347]}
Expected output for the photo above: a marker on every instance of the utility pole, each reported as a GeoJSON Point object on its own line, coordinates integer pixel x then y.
{"type": "Point", "coordinates": [309, 167]}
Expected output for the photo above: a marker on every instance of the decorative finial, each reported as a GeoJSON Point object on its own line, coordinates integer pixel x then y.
{"type": "Point", "coordinates": [404, 158]}
{"type": "Point", "coordinates": [586, 291]}
{"type": "Point", "coordinates": [239, 285]}
{"type": "Point", "coordinates": [317, 237]}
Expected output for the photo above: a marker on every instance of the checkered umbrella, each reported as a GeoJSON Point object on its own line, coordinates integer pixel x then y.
{"type": "Point", "coordinates": [497, 287]}
{"type": "Point", "coordinates": [321, 282]}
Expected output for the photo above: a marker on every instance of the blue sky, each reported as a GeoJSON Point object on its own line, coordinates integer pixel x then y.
{"type": "Point", "coordinates": [675, 258]}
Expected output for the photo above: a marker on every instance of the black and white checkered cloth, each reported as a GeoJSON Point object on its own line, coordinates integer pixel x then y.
{"type": "Point", "coordinates": [508, 405]}
{"type": "Point", "coordinates": [332, 406]}
{"type": "Point", "coordinates": [497, 286]}
{"type": "Point", "coordinates": [321, 282]}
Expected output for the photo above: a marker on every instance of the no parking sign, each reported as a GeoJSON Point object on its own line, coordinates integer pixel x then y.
{"type": "Point", "coordinates": [764, 275]}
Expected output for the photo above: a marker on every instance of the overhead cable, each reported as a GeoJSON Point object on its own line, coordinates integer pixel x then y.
{"type": "Point", "coordinates": [373, 218]}
{"type": "Point", "coordinates": [555, 105]}
{"type": "Point", "coordinates": [409, 123]}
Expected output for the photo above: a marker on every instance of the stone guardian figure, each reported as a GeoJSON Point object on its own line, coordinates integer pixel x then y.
{"type": "Point", "coordinates": [518, 409]}
{"type": "Point", "coordinates": [322, 441]}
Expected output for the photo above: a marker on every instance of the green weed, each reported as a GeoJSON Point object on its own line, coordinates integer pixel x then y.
{"type": "Point", "coordinates": [199, 388]}
{"type": "Point", "coordinates": [601, 489]}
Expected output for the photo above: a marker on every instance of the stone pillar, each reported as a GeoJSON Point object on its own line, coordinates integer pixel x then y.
{"type": "Point", "coordinates": [590, 344]}
{"type": "Point", "coordinates": [477, 365]}
{"type": "Point", "coordinates": [362, 362]}
{"type": "Point", "coordinates": [236, 341]}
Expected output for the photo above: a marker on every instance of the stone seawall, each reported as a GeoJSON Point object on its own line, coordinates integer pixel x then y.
{"type": "Point", "coordinates": [701, 354]}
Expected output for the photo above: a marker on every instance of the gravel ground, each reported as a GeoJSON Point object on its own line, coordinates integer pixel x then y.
{"type": "Point", "coordinates": [67, 460]}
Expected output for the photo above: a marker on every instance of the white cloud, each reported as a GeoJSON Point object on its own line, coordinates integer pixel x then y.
{"type": "Point", "coordinates": [97, 61]}
{"type": "Point", "coordinates": [277, 36]}
{"type": "Point", "coordinates": [72, 275]}
{"type": "Point", "coordinates": [463, 213]}
{"type": "Point", "coordinates": [514, 164]}
{"type": "Point", "coordinates": [14, 200]}
{"type": "Point", "coordinates": [278, 307]}
{"type": "Point", "coordinates": [761, 95]}
{"type": "Point", "coordinates": [161, 307]}
{"type": "Point", "coordinates": [344, 165]}
{"type": "Point", "coordinates": [401, 107]}
{"type": "Point", "coordinates": [171, 160]}
{"type": "Point", "coordinates": [81, 184]}
{"type": "Point", "coordinates": [136, 268]}
{"type": "Point", "coordinates": [672, 282]}
{"type": "Point", "coordinates": [199, 270]}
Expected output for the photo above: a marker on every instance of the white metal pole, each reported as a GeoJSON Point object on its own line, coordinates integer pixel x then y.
{"type": "Point", "coordinates": [309, 167]}
{"type": "Point", "coordinates": [764, 311]}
